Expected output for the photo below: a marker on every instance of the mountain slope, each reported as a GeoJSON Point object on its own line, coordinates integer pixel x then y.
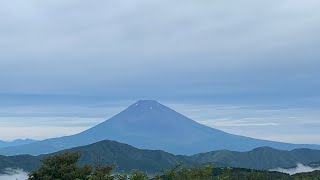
{"type": "Point", "coordinates": [127, 157]}
{"type": "Point", "coordinates": [150, 125]}
{"type": "Point", "coordinates": [25, 162]}
{"type": "Point", "coordinates": [259, 158]}
{"type": "Point", "coordinates": [124, 156]}
{"type": "Point", "coordinates": [16, 142]}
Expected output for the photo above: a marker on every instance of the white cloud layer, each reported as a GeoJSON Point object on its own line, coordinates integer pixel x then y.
{"type": "Point", "coordinates": [14, 174]}
{"type": "Point", "coordinates": [299, 169]}
{"type": "Point", "coordinates": [38, 132]}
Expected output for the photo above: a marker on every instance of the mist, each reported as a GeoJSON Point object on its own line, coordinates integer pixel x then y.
{"type": "Point", "coordinates": [14, 174]}
{"type": "Point", "coordinates": [299, 169]}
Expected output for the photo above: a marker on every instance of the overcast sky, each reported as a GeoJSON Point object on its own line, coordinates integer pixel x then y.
{"type": "Point", "coordinates": [66, 65]}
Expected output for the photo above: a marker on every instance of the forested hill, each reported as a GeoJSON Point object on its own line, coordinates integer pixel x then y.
{"type": "Point", "coordinates": [259, 158]}
{"type": "Point", "coordinates": [123, 156]}
{"type": "Point", "coordinates": [126, 157]}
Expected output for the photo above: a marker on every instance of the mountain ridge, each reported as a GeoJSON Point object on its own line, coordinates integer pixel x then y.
{"type": "Point", "coordinates": [148, 124]}
{"type": "Point", "coordinates": [126, 157]}
{"type": "Point", "coordinates": [16, 142]}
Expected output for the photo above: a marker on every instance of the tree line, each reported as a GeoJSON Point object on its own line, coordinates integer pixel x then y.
{"type": "Point", "coordinates": [64, 166]}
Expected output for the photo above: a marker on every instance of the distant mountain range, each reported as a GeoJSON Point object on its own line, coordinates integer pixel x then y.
{"type": "Point", "coordinates": [262, 158]}
{"type": "Point", "coordinates": [16, 142]}
{"type": "Point", "coordinates": [148, 124]}
{"type": "Point", "coordinates": [127, 157]}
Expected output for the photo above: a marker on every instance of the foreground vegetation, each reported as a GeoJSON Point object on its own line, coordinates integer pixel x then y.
{"type": "Point", "coordinates": [64, 166]}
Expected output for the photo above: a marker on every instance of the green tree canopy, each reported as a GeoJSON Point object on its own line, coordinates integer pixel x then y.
{"type": "Point", "coordinates": [62, 166]}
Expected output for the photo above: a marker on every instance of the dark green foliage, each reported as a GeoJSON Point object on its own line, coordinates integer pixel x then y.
{"type": "Point", "coordinates": [181, 172]}
{"type": "Point", "coordinates": [102, 173]}
{"type": "Point", "coordinates": [26, 162]}
{"type": "Point", "coordinates": [64, 167]}
{"type": "Point", "coordinates": [248, 174]}
{"type": "Point", "coordinates": [138, 175]}
{"type": "Point", "coordinates": [125, 158]}
{"type": "Point", "coordinates": [61, 167]}
{"type": "Point", "coordinates": [315, 175]}
{"type": "Point", "coordinates": [209, 173]}
{"type": "Point", "coordinates": [263, 158]}
{"type": "Point", "coordinates": [122, 176]}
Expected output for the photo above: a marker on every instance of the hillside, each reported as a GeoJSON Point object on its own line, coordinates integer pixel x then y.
{"type": "Point", "coordinates": [259, 158]}
{"type": "Point", "coordinates": [25, 162]}
{"type": "Point", "coordinates": [106, 152]}
{"type": "Point", "coordinates": [127, 157]}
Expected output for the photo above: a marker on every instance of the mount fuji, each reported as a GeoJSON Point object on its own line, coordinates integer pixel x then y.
{"type": "Point", "coordinates": [148, 124]}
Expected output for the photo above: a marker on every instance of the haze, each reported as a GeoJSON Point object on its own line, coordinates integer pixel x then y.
{"type": "Point", "coordinates": [248, 67]}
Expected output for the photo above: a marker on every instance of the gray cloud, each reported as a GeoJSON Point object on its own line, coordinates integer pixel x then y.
{"type": "Point", "coordinates": [188, 47]}
{"type": "Point", "coordinates": [73, 58]}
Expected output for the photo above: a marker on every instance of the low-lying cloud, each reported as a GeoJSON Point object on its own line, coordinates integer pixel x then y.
{"type": "Point", "coordinates": [299, 169]}
{"type": "Point", "coordinates": [14, 174]}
